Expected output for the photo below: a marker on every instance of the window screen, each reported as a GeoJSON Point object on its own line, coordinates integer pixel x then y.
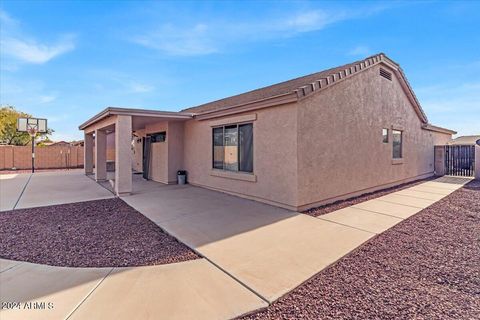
{"type": "Point", "coordinates": [218, 148]}
{"type": "Point", "coordinates": [230, 161]}
{"type": "Point", "coordinates": [397, 144]}
{"type": "Point", "coordinates": [385, 135]}
{"type": "Point", "coordinates": [245, 132]}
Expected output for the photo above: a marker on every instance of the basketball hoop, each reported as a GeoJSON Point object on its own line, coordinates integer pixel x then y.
{"type": "Point", "coordinates": [32, 126]}
{"type": "Point", "coordinates": [32, 131]}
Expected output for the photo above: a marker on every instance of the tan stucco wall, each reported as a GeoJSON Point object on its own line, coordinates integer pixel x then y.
{"type": "Point", "coordinates": [274, 156]}
{"type": "Point", "coordinates": [166, 157]}
{"type": "Point", "coordinates": [340, 145]}
{"type": "Point", "coordinates": [159, 154]}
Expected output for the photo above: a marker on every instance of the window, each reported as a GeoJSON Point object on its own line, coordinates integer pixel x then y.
{"type": "Point", "coordinates": [218, 148]}
{"type": "Point", "coordinates": [385, 135]}
{"type": "Point", "coordinates": [397, 144]}
{"type": "Point", "coordinates": [157, 137]}
{"type": "Point", "coordinates": [233, 148]}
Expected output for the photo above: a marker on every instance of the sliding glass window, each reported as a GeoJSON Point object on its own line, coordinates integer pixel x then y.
{"type": "Point", "coordinates": [233, 148]}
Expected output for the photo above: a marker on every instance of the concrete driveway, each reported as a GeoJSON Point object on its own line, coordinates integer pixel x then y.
{"type": "Point", "coordinates": [26, 190]}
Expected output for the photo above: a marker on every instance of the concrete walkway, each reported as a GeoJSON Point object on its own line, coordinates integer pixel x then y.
{"type": "Point", "coordinates": [382, 213]}
{"type": "Point", "coordinates": [26, 190]}
{"type": "Point", "coordinates": [268, 249]}
{"type": "Point", "coordinates": [187, 290]}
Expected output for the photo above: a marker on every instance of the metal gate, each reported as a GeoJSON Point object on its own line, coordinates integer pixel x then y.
{"type": "Point", "coordinates": [460, 160]}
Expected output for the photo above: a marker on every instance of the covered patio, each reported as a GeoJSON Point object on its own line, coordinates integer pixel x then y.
{"type": "Point", "coordinates": [129, 127]}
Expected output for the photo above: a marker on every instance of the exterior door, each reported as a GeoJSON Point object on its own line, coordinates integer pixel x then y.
{"type": "Point", "coordinates": [147, 147]}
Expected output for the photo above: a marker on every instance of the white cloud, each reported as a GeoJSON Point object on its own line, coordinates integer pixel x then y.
{"type": "Point", "coordinates": [453, 106]}
{"type": "Point", "coordinates": [201, 38]}
{"type": "Point", "coordinates": [140, 87]}
{"type": "Point", "coordinates": [22, 48]}
{"type": "Point", "coordinates": [34, 52]}
{"type": "Point", "coordinates": [47, 98]}
{"type": "Point", "coordinates": [179, 41]}
{"type": "Point", "coordinates": [6, 20]}
{"type": "Point", "coordinates": [312, 20]}
{"type": "Point", "coordinates": [361, 51]}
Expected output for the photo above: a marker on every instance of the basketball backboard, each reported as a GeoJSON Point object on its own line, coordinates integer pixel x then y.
{"type": "Point", "coordinates": [32, 125]}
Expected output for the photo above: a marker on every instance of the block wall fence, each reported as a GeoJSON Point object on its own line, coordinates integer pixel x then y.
{"type": "Point", "coordinates": [47, 157]}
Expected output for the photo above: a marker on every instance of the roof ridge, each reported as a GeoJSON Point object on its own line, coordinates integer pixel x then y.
{"type": "Point", "coordinates": [331, 78]}
{"type": "Point", "coordinates": [285, 82]}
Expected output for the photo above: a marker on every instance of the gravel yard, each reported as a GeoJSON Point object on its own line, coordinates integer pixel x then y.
{"type": "Point", "coordinates": [101, 233]}
{"type": "Point", "coordinates": [355, 200]}
{"type": "Point", "coordinates": [426, 267]}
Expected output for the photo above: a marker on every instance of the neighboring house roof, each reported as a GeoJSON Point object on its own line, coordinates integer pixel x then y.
{"type": "Point", "coordinates": [465, 140]}
{"type": "Point", "coordinates": [59, 143]}
{"type": "Point", "coordinates": [431, 127]}
{"type": "Point", "coordinates": [308, 84]}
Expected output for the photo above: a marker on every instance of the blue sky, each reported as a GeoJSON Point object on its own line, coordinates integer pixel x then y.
{"type": "Point", "coordinates": [68, 60]}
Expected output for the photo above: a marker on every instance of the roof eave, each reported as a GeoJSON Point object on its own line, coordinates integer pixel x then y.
{"type": "Point", "coordinates": [253, 105]}
{"type": "Point", "coordinates": [135, 112]}
{"type": "Point", "coordinates": [431, 127]}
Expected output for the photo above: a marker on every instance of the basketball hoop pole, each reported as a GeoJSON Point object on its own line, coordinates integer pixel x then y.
{"type": "Point", "coordinates": [33, 154]}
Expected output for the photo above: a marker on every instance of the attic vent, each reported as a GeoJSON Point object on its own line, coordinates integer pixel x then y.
{"type": "Point", "coordinates": [384, 73]}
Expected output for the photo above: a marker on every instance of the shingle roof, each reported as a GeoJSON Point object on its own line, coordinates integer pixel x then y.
{"type": "Point", "coordinates": [267, 92]}
{"type": "Point", "coordinates": [465, 140]}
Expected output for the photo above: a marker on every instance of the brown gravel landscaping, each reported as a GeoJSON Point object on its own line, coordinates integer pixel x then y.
{"type": "Point", "coordinates": [101, 233]}
{"type": "Point", "coordinates": [364, 197]}
{"type": "Point", "coordinates": [426, 267]}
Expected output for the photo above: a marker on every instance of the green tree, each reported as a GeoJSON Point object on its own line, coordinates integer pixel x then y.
{"type": "Point", "coordinates": [8, 127]}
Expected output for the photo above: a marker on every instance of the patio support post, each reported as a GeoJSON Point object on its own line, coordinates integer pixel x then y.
{"type": "Point", "coordinates": [123, 155]}
{"type": "Point", "coordinates": [477, 161]}
{"type": "Point", "coordinates": [100, 155]}
{"type": "Point", "coordinates": [88, 153]}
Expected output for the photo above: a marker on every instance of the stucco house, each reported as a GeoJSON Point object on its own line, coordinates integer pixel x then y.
{"type": "Point", "coordinates": [465, 140]}
{"type": "Point", "coordinates": [298, 144]}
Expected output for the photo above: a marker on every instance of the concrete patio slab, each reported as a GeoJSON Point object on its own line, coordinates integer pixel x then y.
{"type": "Point", "coordinates": [406, 200]}
{"type": "Point", "coordinates": [188, 290]}
{"type": "Point", "coordinates": [389, 208]}
{"type": "Point", "coordinates": [7, 264]}
{"type": "Point", "coordinates": [11, 187]}
{"type": "Point", "coordinates": [60, 289]}
{"type": "Point", "coordinates": [270, 254]}
{"type": "Point", "coordinates": [162, 203]}
{"type": "Point", "coordinates": [50, 188]}
{"type": "Point", "coordinates": [362, 219]}
{"type": "Point", "coordinates": [421, 194]}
